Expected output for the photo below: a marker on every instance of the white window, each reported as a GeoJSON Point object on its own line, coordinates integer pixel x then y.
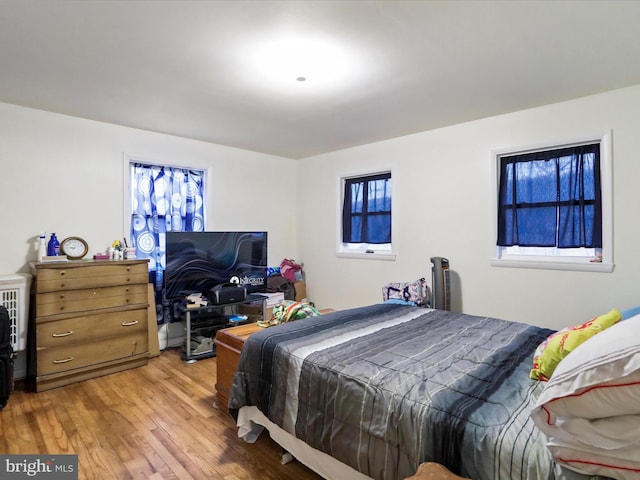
{"type": "Point", "coordinates": [366, 216]}
{"type": "Point", "coordinates": [553, 207]}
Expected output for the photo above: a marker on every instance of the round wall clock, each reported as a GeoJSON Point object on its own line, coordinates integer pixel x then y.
{"type": "Point", "coordinates": [74, 247]}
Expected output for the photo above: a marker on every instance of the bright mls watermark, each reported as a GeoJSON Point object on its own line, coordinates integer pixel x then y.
{"type": "Point", "coordinates": [52, 467]}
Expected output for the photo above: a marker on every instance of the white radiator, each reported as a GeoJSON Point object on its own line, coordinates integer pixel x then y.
{"type": "Point", "coordinates": [14, 295]}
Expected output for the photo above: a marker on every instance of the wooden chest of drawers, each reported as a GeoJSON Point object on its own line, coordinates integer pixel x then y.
{"type": "Point", "coordinates": [89, 318]}
{"type": "Point", "coordinates": [229, 343]}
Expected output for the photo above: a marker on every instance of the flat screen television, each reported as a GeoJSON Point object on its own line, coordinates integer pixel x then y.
{"type": "Point", "coordinates": [198, 261]}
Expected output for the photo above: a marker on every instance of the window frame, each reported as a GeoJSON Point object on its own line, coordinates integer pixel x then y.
{"type": "Point", "coordinates": [558, 262]}
{"type": "Point", "coordinates": [363, 251]}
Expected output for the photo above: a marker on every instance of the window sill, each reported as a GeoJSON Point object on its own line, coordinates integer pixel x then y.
{"type": "Point", "coordinates": [581, 266]}
{"type": "Point", "coordinates": [390, 256]}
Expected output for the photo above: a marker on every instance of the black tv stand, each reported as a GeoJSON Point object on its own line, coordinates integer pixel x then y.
{"type": "Point", "coordinates": [202, 323]}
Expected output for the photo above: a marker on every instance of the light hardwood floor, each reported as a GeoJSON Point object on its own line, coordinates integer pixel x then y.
{"type": "Point", "coordinates": [153, 422]}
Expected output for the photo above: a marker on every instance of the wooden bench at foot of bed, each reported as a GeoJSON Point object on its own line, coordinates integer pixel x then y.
{"type": "Point", "coordinates": [433, 471]}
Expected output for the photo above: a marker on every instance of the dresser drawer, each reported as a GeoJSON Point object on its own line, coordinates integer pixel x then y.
{"type": "Point", "coordinates": [53, 303]}
{"type": "Point", "coordinates": [73, 277]}
{"type": "Point", "coordinates": [64, 284]}
{"type": "Point", "coordinates": [86, 354]}
{"type": "Point", "coordinates": [87, 329]}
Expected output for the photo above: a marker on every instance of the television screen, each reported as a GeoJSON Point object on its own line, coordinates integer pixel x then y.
{"type": "Point", "coordinates": [198, 261]}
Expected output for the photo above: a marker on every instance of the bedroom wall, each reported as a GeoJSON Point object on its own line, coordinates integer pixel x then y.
{"type": "Point", "coordinates": [65, 175]}
{"type": "Point", "coordinates": [443, 206]}
{"type": "Point", "coordinates": [60, 172]}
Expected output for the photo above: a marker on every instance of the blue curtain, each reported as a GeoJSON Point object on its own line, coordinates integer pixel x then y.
{"type": "Point", "coordinates": [551, 199]}
{"type": "Point", "coordinates": [366, 212]}
{"type": "Point", "coordinates": [163, 199]}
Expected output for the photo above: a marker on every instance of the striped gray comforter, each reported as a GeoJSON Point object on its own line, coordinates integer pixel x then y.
{"type": "Point", "coordinates": [385, 387]}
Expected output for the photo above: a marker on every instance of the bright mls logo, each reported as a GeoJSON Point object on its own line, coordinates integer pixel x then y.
{"type": "Point", "coordinates": [53, 467]}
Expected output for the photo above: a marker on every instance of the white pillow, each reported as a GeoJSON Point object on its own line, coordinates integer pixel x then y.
{"type": "Point", "coordinates": [596, 462]}
{"type": "Point", "coordinates": [620, 396]}
{"type": "Point", "coordinates": [590, 408]}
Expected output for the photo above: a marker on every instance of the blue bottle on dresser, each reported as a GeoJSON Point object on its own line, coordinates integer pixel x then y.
{"type": "Point", "coordinates": [53, 247]}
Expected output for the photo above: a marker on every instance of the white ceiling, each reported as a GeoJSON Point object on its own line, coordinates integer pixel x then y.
{"type": "Point", "coordinates": [183, 67]}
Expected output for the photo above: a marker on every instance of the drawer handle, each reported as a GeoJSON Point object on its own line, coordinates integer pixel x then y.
{"type": "Point", "coordinates": [65, 334]}
{"type": "Point", "coordinates": [64, 360]}
{"type": "Point", "coordinates": [129, 324]}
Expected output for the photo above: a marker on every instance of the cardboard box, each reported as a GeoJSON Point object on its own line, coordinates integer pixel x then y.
{"type": "Point", "coordinates": [254, 311]}
{"type": "Point", "coordinates": [273, 299]}
{"type": "Point", "coordinates": [301, 290]}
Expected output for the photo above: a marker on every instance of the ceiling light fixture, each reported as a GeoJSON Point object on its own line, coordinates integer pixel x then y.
{"type": "Point", "coordinates": [273, 63]}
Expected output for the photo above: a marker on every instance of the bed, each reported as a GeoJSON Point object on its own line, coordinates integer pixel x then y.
{"type": "Point", "coordinates": [372, 392]}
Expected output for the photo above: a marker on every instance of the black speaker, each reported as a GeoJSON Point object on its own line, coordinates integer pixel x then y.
{"type": "Point", "coordinates": [227, 293]}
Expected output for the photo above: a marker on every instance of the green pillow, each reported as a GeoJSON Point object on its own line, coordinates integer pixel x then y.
{"type": "Point", "coordinates": [560, 344]}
